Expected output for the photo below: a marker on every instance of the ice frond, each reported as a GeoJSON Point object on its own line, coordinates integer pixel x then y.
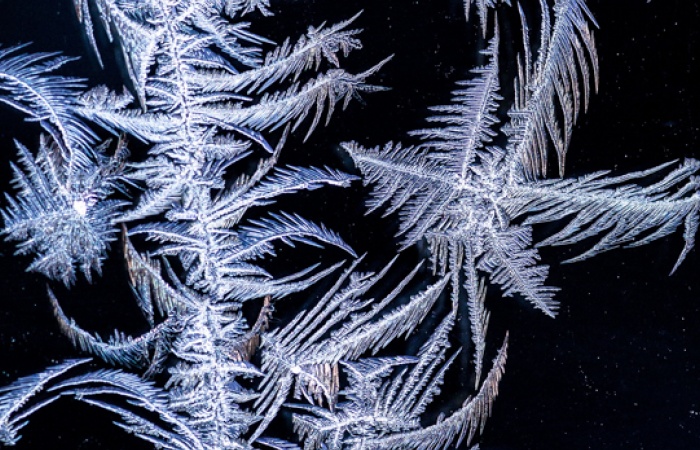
{"type": "Point", "coordinates": [383, 408]}
{"type": "Point", "coordinates": [342, 326]}
{"type": "Point", "coordinates": [478, 322]}
{"type": "Point", "coordinates": [408, 181]}
{"type": "Point", "coordinates": [625, 210]}
{"type": "Point", "coordinates": [408, 397]}
{"type": "Point", "coordinates": [155, 200]}
{"type": "Point", "coordinates": [64, 216]}
{"type": "Point", "coordinates": [27, 84]}
{"type": "Point", "coordinates": [15, 404]}
{"type": "Point", "coordinates": [100, 387]}
{"type": "Point", "coordinates": [357, 336]}
{"type": "Point", "coordinates": [296, 103]}
{"type": "Point", "coordinates": [468, 123]}
{"type": "Point", "coordinates": [289, 61]}
{"type": "Point", "coordinates": [286, 180]}
{"type": "Point", "coordinates": [460, 426]}
{"type": "Point", "coordinates": [262, 189]}
{"type": "Point", "coordinates": [550, 94]}
{"type": "Point", "coordinates": [150, 290]}
{"type": "Point", "coordinates": [244, 288]}
{"type": "Point", "coordinates": [513, 265]}
{"type": "Point", "coordinates": [257, 238]}
{"type": "Point", "coordinates": [235, 8]}
{"type": "Point", "coordinates": [277, 444]}
{"type": "Point", "coordinates": [119, 350]}
{"type": "Point", "coordinates": [448, 191]}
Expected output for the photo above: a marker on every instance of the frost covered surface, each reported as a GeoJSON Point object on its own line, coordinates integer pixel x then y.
{"type": "Point", "coordinates": [214, 104]}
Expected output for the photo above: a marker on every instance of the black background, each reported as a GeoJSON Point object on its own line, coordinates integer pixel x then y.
{"type": "Point", "coordinates": [617, 369]}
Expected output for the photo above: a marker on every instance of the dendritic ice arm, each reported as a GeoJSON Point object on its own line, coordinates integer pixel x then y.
{"type": "Point", "coordinates": [302, 352]}
{"type": "Point", "coordinates": [511, 263]}
{"type": "Point", "coordinates": [407, 180]}
{"type": "Point", "coordinates": [468, 123]}
{"type": "Point", "coordinates": [384, 414]}
{"type": "Point", "coordinates": [550, 92]}
{"type": "Point", "coordinates": [119, 350]}
{"type": "Point", "coordinates": [219, 260]}
{"type": "Point", "coordinates": [290, 61]}
{"type": "Point", "coordinates": [460, 426]}
{"type": "Point", "coordinates": [102, 388]}
{"type": "Point", "coordinates": [627, 210]}
{"type": "Point", "coordinates": [295, 104]}
{"type": "Point", "coordinates": [16, 402]}
{"type": "Point", "coordinates": [28, 85]}
{"type": "Point", "coordinates": [479, 322]}
{"type": "Point", "coordinates": [29, 394]}
{"type": "Point", "coordinates": [153, 294]}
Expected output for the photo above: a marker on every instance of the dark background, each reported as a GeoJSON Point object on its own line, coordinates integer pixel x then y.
{"type": "Point", "coordinates": [617, 369]}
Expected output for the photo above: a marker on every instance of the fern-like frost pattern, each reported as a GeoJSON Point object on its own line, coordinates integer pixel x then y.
{"type": "Point", "coordinates": [213, 103]}
{"type": "Point", "coordinates": [475, 202]}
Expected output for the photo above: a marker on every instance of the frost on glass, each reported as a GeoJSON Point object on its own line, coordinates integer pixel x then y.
{"type": "Point", "coordinates": [214, 104]}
